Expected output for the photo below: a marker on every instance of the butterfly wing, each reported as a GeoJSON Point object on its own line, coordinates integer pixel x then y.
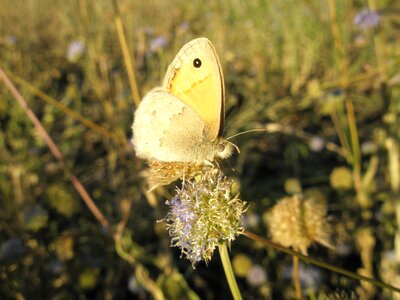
{"type": "Point", "coordinates": [166, 129]}
{"type": "Point", "coordinates": [195, 77]}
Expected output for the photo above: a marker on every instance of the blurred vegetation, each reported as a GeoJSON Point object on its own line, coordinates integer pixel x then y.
{"type": "Point", "coordinates": [323, 78]}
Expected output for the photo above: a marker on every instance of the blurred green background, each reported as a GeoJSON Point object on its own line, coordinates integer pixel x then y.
{"type": "Point", "coordinates": [323, 79]}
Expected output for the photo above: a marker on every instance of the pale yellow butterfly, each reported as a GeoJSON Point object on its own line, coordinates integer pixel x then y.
{"type": "Point", "coordinates": [177, 127]}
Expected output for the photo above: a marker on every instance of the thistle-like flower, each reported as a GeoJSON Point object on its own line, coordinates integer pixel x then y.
{"type": "Point", "coordinates": [204, 213]}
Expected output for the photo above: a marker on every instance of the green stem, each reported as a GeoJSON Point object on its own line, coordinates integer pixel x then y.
{"type": "Point", "coordinates": [321, 264]}
{"type": "Point", "coordinates": [342, 137]}
{"type": "Point", "coordinates": [226, 263]}
{"type": "Point", "coordinates": [362, 195]}
{"type": "Point", "coordinates": [394, 175]}
{"type": "Point", "coordinates": [379, 45]}
{"type": "Point", "coordinates": [355, 144]}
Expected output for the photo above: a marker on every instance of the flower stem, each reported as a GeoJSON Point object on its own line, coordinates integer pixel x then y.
{"type": "Point", "coordinates": [321, 264]}
{"type": "Point", "coordinates": [296, 277]}
{"type": "Point", "coordinates": [226, 263]}
{"type": "Point", "coordinates": [128, 60]}
{"type": "Point", "coordinates": [54, 150]}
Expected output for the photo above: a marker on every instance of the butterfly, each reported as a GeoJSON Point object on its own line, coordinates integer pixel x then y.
{"type": "Point", "coordinates": [177, 127]}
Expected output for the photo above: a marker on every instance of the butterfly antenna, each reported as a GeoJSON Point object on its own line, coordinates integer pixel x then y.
{"type": "Point", "coordinates": [234, 146]}
{"type": "Point", "coordinates": [247, 131]}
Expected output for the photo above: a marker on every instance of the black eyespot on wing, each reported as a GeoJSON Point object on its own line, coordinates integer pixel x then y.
{"type": "Point", "coordinates": [197, 63]}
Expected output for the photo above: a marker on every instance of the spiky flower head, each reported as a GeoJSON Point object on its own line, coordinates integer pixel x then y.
{"type": "Point", "coordinates": [204, 213]}
{"type": "Point", "coordinates": [297, 223]}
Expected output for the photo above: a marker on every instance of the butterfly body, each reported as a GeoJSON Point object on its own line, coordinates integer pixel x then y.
{"type": "Point", "coordinates": [178, 126]}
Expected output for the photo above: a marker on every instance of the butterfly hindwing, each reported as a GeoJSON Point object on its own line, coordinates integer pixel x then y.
{"type": "Point", "coordinates": [166, 129]}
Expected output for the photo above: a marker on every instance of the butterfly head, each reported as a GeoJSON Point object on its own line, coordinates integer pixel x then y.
{"type": "Point", "coordinates": [223, 149]}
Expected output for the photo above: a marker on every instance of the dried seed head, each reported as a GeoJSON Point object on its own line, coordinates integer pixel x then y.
{"type": "Point", "coordinates": [294, 222]}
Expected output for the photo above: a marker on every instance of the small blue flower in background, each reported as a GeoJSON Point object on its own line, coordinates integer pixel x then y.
{"type": "Point", "coordinates": [250, 220]}
{"type": "Point", "coordinates": [310, 277]}
{"type": "Point", "coordinates": [316, 144]}
{"type": "Point", "coordinates": [337, 92]}
{"type": "Point", "coordinates": [184, 26]}
{"type": "Point", "coordinates": [366, 19]}
{"type": "Point", "coordinates": [11, 249]}
{"type": "Point", "coordinates": [10, 40]}
{"type": "Point", "coordinates": [75, 50]}
{"type": "Point", "coordinates": [133, 285]}
{"type": "Point", "coordinates": [55, 267]}
{"type": "Point", "coordinates": [158, 43]}
{"type": "Point", "coordinates": [256, 275]}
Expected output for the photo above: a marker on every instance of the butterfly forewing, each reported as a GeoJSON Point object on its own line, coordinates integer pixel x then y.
{"type": "Point", "coordinates": [195, 77]}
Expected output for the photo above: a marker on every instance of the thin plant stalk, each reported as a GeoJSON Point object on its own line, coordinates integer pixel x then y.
{"type": "Point", "coordinates": [296, 278]}
{"type": "Point", "coordinates": [330, 267]}
{"type": "Point", "coordinates": [379, 47]}
{"type": "Point", "coordinates": [354, 147]}
{"type": "Point", "coordinates": [392, 142]}
{"type": "Point", "coordinates": [341, 54]}
{"type": "Point", "coordinates": [69, 112]}
{"type": "Point", "coordinates": [343, 68]}
{"type": "Point", "coordinates": [373, 72]}
{"type": "Point", "coordinates": [129, 62]}
{"type": "Point", "coordinates": [347, 153]}
{"type": "Point", "coordinates": [393, 149]}
{"type": "Point", "coordinates": [54, 150]}
{"type": "Point", "coordinates": [362, 196]}
{"type": "Point", "coordinates": [142, 276]}
{"type": "Point", "coordinates": [230, 277]}
{"type": "Point", "coordinates": [340, 49]}
{"type": "Point", "coordinates": [96, 79]}
{"type": "Point", "coordinates": [140, 271]}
